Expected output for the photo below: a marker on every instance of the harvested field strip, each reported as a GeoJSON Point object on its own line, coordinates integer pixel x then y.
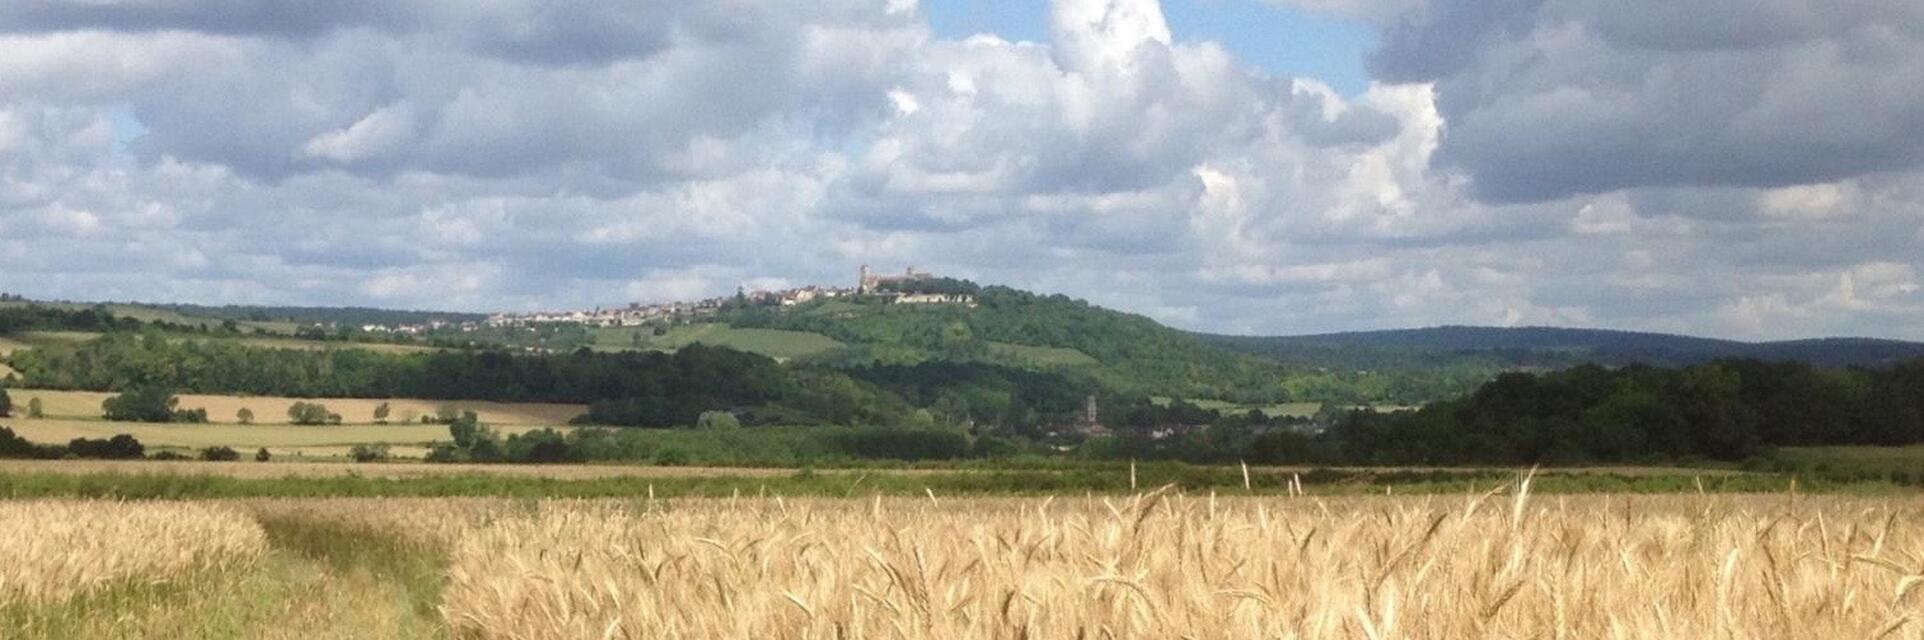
{"type": "Point", "coordinates": [248, 437]}
{"type": "Point", "coordinates": [272, 410]}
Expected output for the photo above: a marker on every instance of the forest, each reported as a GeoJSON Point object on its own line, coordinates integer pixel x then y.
{"type": "Point", "coordinates": [1729, 410]}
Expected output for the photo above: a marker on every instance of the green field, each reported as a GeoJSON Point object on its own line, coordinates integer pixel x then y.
{"type": "Point", "coordinates": [1291, 409]}
{"type": "Point", "coordinates": [322, 345]}
{"type": "Point", "coordinates": [1855, 460]}
{"type": "Point", "coordinates": [1043, 356]}
{"type": "Point", "coordinates": [781, 345]}
{"type": "Point", "coordinates": [150, 314]}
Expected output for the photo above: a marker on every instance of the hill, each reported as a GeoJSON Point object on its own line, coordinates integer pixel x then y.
{"type": "Point", "coordinates": [345, 316]}
{"type": "Point", "coordinates": [1552, 347]}
{"type": "Point", "coordinates": [1124, 352]}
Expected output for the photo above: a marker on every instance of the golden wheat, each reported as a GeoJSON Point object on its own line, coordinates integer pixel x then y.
{"type": "Point", "coordinates": [59, 549]}
{"type": "Point", "coordinates": [1163, 566]}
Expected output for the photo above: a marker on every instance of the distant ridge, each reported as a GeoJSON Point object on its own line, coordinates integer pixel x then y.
{"type": "Point", "coordinates": [1557, 346]}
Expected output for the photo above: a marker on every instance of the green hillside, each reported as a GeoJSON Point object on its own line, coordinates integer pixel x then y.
{"type": "Point", "coordinates": [156, 314]}
{"type": "Point", "coordinates": [1125, 352]}
{"type": "Point", "coordinates": [774, 343]}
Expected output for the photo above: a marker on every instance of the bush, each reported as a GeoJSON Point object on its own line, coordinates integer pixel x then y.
{"type": "Point", "coordinates": [245, 415]}
{"type": "Point", "coordinates": [219, 454]}
{"type": "Point", "coordinates": [120, 447]}
{"type": "Point", "coordinates": [168, 456]}
{"type": "Point", "coordinates": [6, 404]}
{"type": "Point", "coordinates": [368, 452]}
{"type": "Point", "coordinates": [36, 409]}
{"type": "Point", "coordinates": [14, 446]}
{"type": "Point", "coordinates": [263, 455]}
{"type": "Point", "coordinates": [541, 447]}
{"type": "Point", "coordinates": [717, 420]}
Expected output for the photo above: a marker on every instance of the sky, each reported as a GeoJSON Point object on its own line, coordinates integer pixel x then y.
{"type": "Point", "coordinates": [1750, 169]}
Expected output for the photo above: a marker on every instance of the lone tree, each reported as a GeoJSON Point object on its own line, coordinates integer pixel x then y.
{"type": "Point", "coordinates": [263, 455]}
{"type": "Point", "coordinates": [245, 415]}
{"type": "Point", "coordinates": [147, 403]}
{"type": "Point", "coordinates": [310, 413]}
{"type": "Point", "coordinates": [380, 413]}
{"type": "Point", "coordinates": [36, 409]}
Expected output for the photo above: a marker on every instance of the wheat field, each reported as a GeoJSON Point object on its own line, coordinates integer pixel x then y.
{"type": "Point", "coordinates": [60, 549]}
{"type": "Point", "coordinates": [1163, 566]}
{"type": "Point", "coordinates": [1158, 565]}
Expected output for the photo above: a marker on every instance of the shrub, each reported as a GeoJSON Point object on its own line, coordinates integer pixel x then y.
{"type": "Point", "coordinates": [168, 456]}
{"type": "Point", "coordinates": [36, 409]}
{"type": "Point", "coordinates": [717, 420]}
{"type": "Point", "coordinates": [6, 404]}
{"type": "Point", "coordinates": [263, 455]}
{"type": "Point", "coordinates": [368, 452]}
{"type": "Point", "coordinates": [245, 415]}
{"type": "Point", "coordinates": [14, 446]}
{"type": "Point", "coordinates": [120, 447]}
{"type": "Point", "coordinates": [219, 454]}
{"type": "Point", "coordinates": [541, 446]}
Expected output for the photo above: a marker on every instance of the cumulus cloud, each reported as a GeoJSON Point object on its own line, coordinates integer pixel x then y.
{"type": "Point", "coordinates": [1736, 173]}
{"type": "Point", "coordinates": [1553, 98]}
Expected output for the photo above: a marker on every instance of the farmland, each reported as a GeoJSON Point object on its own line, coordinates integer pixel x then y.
{"type": "Point", "coordinates": [145, 313]}
{"type": "Point", "coordinates": [85, 405]}
{"type": "Point", "coordinates": [279, 439]}
{"type": "Point", "coordinates": [1155, 564]}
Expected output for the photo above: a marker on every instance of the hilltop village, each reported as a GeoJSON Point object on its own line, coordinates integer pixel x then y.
{"type": "Point", "coordinates": [908, 287]}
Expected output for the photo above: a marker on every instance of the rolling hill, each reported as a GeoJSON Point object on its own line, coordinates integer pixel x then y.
{"type": "Point", "coordinates": [1549, 347]}
{"type": "Point", "coordinates": [1123, 352]}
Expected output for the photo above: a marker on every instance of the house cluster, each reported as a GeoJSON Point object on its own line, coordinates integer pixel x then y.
{"type": "Point", "coordinates": [899, 289]}
{"type": "Point", "coordinates": [799, 295]}
{"type": "Point", "coordinates": [633, 315]}
{"type": "Point", "coordinates": [416, 329]}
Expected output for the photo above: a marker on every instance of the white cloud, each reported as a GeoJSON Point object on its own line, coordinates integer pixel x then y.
{"type": "Point", "coordinates": [424, 154]}
{"type": "Point", "coordinates": [381, 132]}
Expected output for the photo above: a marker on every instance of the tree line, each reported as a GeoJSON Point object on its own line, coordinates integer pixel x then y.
{"type": "Point", "coordinates": [1728, 410]}
{"type": "Point", "coordinates": [620, 389]}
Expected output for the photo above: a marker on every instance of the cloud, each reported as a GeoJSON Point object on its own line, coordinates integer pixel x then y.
{"type": "Point", "coordinates": [1518, 162]}
{"type": "Point", "coordinates": [1553, 98]}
